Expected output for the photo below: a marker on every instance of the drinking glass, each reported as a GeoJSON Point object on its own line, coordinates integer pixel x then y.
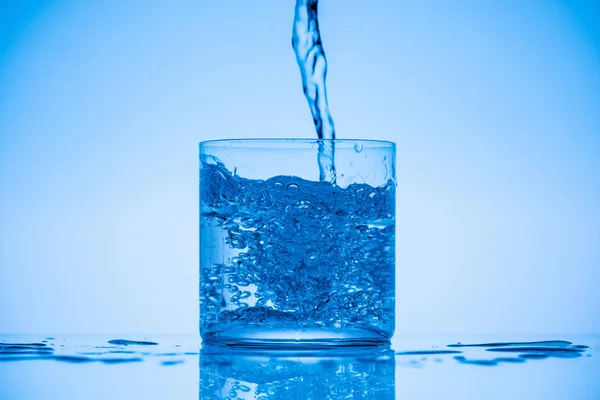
{"type": "Point", "coordinates": [287, 260]}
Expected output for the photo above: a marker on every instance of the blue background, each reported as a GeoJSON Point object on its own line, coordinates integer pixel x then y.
{"type": "Point", "coordinates": [495, 107]}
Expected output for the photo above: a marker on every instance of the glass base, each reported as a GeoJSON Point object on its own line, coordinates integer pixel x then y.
{"type": "Point", "coordinates": [257, 336]}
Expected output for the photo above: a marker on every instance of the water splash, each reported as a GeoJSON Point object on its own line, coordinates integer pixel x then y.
{"type": "Point", "coordinates": [307, 44]}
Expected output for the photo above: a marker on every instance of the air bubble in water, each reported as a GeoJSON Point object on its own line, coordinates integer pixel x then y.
{"type": "Point", "coordinates": [318, 255]}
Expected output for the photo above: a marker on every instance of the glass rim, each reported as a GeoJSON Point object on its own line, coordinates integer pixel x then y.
{"type": "Point", "coordinates": [368, 142]}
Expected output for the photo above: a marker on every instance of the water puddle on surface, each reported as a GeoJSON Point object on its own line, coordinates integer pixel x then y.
{"type": "Point", "coordinates": [522, 351]}
{"type": "Point", "coordinates": [125, 342]}
{"type": "Point", "coordinates": [115, 351]}
{"type": "Point", "coordinates": [120, 351]}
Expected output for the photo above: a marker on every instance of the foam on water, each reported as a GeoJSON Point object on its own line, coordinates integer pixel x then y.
{"type": "Point", "coordinates": [310, 256]}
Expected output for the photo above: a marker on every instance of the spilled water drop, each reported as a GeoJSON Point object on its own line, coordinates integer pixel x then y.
{"type": "Point", "coordinates": [546, 343]}
{"type": "Point", "coordinates": [537, 350]}
{"type": "Point", "coordinates": [125, 342]}
{"type": "Point", "coordinates": [426, 352]}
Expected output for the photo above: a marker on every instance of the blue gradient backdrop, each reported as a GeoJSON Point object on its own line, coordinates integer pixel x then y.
{"type": "Point", "coordinates": [495, 106]}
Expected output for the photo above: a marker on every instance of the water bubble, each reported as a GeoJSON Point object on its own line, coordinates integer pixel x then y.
{"type": "Point", "coordinates": [358, 147]}
{"type": "Point", "coordinates": [232, 289]}
{"type": "Point", "coordinates": [287, 260]}
{"type": "Point", "coordinates": [229, 193]}
{"type": "Point", "coordinates": [277, 188]}
{"type": "Point", "coordinates": [247, 223]}
{"type": "Point", "coordinates": [307, 307]}
{"type": "Point", "coordinates": [215, 300]}
{"type": "Point", "coordinates": [311, 257]}
{"type": "Point", "coordinates": [210, 160]}
{"type": "Point", "coordinates": [254, 259]}
{"type": "Point", "coordinates": [264, 199]}
{"type": "Point", "coordinates": [237, 240]}
{"type": "Point", "coordinates": [293, 188]}
{"type": "Point", "coordinates": [216, 268]}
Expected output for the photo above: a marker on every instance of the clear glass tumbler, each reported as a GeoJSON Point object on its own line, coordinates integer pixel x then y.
{"type": "Point", "coordinates": [288, 260]}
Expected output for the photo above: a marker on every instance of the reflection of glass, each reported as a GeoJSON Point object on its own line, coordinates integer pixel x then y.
{"type": "Point", "coordinates": [363, 373]}
{"type": "Point", "coordinates": [286, 259]}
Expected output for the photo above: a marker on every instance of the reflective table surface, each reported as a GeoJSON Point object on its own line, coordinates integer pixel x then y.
{"type": "Point", "coordinates": [178, 367]}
